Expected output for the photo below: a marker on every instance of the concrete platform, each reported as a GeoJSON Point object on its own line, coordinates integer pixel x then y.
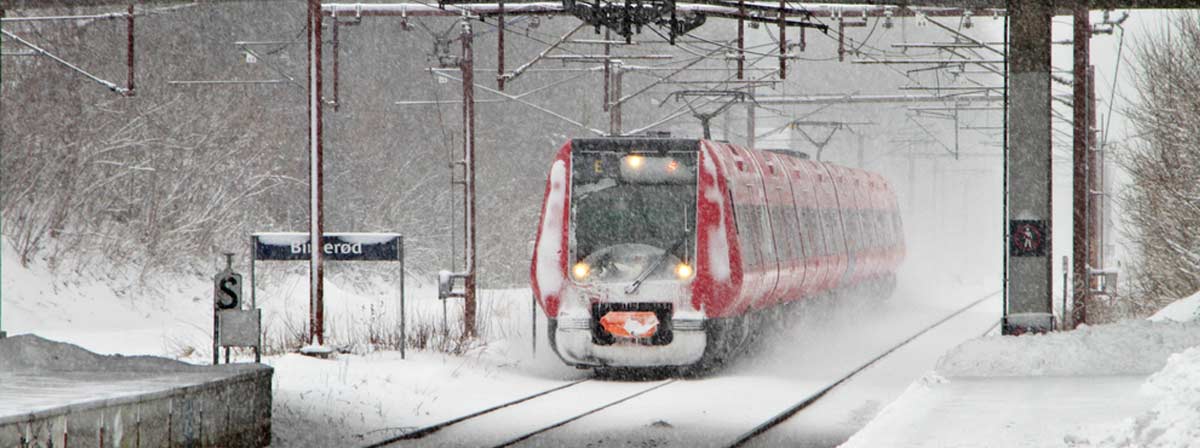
{"type": "Point", "coordinates": [56, 394]}
{"type": "Point", "coordinates": [1004, 412]}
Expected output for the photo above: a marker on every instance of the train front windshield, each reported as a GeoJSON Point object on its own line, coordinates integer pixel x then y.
{"type": "Point", "coordinates": [634, 216]}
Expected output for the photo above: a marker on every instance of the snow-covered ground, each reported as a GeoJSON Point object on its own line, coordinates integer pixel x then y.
{"type": "Point", "coordinates": [1129, 384]}
{"type": "Point", "coordinates": [367, 393]}
{"type": "Point", "coordinates": [358, 396]}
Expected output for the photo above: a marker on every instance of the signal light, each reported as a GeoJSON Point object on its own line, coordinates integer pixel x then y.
{"type": "Point", "coordinates": [581, 270]}
{"type": "Point", "coordinates": [683, 271]}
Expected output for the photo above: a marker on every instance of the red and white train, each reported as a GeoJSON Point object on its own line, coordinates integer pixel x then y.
{"type": "Point", "coordinates": [659, 252]}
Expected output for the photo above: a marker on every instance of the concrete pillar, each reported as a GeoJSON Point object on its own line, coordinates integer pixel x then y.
{"type": "Point", "coordinates": [1029, 292]}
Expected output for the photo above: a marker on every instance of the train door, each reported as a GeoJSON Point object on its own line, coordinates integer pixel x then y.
{"type": "Point", "coordinates": [869, 221]}
{"type": "Point", "coordinates": [782, 209]}
{"type": "Point", "coordinates": [823, 217]}
{"type": "Point", "coordinates": [812, 241]}
{"type": "Point", "coordinates": [769, 267]}
{"type": "Point", "coordinates": [839, 203]}
{"type": "Point", "coordinates": [859, 227]}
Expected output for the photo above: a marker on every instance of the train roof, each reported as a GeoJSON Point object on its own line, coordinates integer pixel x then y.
{"type": "Point", "coordinates": [635, 144]}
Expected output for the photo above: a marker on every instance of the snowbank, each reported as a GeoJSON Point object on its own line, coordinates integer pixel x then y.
{"type": "Point", "coordinates": [1173, 422]}
{"type": "Point", "coordinates": [918, 395]}
{"type": "Point", "coordinates": [1182, 310]}
{"type": "Point", "coordinates": [1125, 348]}
{"type": "Point", "coordinates": [29, 353]}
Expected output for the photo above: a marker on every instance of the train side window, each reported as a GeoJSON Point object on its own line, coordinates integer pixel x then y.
{"type": "Point", "coordinates": [790, 231]}
{"type": "Point", "coordinates": [794, 235]}
{"type": "Point", "coordinates": [804, 235]}
{"type": "Point", "coordinates": [850, 221]}
{"type": "Point", "coordinates": [835, 230]}
{"type": "Point", "coordinates": [899, 226]}
{"type": "Point", "coordinates": [747, 233]}
{"type": "Point", "coordinates": [872, 224]}
{"type": "Point", "coordinates": [865, 227]}
{"type": "Point", "coordinates": [766, 239]}
{"type": "Point", "coordinates": [777, 228]}
{"type": "Point", "coordinates": [867, 221]}
{"type": "Point", "coordinates": [846, 244]}
{"type": "Point", "coordinates": [788, 235]}
{"type": "Point", "coordinates": [880, 237]}
{"type": "Point", "coordinates": [888, 237]}
{"type": "Point", "coordinates": [877, 223]}
{"type": "Point", "coordinates": [814, 219]}
{"type": "Point", "coordinates": [897, 235]}
{"type": "Point", "coordinates": [811, 230]}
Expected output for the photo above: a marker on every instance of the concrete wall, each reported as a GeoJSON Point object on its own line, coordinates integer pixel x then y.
{"type": "Point", "coordinates": [232, 409]}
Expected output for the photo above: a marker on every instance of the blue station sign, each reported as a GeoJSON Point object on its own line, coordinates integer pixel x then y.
{"type": "Point", "coordinates": [337, 246]}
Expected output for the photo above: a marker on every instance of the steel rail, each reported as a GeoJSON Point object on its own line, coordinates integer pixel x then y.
{"type": "Point", "coordinates": [425, 431]}
{"type": "Point", "coordinates": [796, 408]}
{"type": "Point", "coordinates": [585, 414]}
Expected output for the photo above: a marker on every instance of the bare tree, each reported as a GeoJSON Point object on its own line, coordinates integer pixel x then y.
{"type": "Point", "coordinates": [1163, 202]}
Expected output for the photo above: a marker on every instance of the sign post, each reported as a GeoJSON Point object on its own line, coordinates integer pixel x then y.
{"type": "Point", "coordinates": [296, 246]}
{"type": "Point", "coordinates": [233, 325]}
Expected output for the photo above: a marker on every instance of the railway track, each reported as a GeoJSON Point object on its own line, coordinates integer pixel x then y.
{"type": "Point", "coordinates": [528, 417]}
{"type": "Point", "coordinates": [787, 413]}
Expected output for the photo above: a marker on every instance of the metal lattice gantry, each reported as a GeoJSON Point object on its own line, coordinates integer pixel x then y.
{"type": "Point", "coordinates": [671, 21]}
{"type": "Point", "coordinates": [1027, 96]}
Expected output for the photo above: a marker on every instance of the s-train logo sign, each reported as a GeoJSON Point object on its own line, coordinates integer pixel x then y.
{"type": "Point", "coordinates": [336, 246]}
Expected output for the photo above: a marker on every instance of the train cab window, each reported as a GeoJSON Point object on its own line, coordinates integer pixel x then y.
{"type": "Point", "coordinates": [627, 206]}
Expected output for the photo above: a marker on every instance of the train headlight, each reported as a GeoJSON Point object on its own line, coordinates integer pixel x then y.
{"type": "Point", "coordinates": [683, 271]}
{"type": "Point", "coordinates": [635, 161]}
{"type": "Point", "coordinates": [581, 271]}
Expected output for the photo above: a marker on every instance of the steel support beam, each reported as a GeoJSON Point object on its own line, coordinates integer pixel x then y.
{"type": "Point", "coordinates": [874, 99]}
{"type": "Point", "coordinates": [822, 7]}
{"type": "Point", "coordinates": [1028, 160]}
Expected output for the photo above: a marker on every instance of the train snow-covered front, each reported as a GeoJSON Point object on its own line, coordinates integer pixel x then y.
{"type": "Point", "coordinates": [659, 252]}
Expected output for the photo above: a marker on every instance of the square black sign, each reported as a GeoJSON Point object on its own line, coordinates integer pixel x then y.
{"type": "Point", "coordinates": [1027, 238]}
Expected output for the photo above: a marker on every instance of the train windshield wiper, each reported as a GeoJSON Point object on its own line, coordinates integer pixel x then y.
{"type": "Point", "coordinates": [641, 277]}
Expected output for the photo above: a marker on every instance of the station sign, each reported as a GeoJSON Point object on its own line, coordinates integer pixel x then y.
{"type": "Point", "coordinates": [336, 246]}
